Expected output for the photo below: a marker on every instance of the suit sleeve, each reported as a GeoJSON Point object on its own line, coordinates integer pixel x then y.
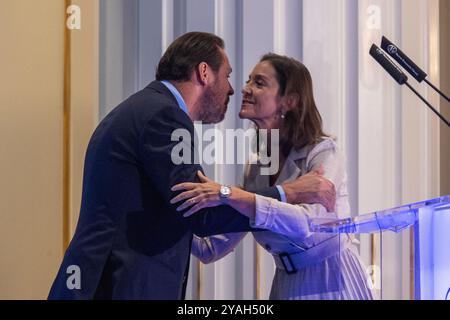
{"type": "Point", "coordinates": [160, 155]}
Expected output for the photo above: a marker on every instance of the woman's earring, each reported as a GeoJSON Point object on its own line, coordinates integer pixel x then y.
{"type": "Point", "coordinates": [282, 116]}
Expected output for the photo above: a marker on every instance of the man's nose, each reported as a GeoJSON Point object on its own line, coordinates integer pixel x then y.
{"type": "Point", "coordinates": [231, 92]}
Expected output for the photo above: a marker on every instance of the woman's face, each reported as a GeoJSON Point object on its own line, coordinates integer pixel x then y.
{"type": "Point", "coordinates": [261, 101]}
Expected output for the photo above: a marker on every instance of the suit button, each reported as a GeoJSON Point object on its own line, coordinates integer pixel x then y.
{"type": "Point", "coordinates": [268, 247]}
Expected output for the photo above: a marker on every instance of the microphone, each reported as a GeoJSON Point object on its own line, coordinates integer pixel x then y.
{"type": "Point", "coordinates": [399, 76]}
{"type": "Point", "coordinates": [402, 59]}
{"type": "Point", "coordinates": [407, 63]}
{"type": "Point", "coordinates": [388, 65]}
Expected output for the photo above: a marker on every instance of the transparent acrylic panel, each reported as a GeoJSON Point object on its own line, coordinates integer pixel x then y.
{"type": "Point", "coordinates": [406, 253]}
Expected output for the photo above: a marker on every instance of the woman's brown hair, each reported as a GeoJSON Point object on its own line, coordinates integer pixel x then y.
{"type": "Point", "coordinates": [302, 124]}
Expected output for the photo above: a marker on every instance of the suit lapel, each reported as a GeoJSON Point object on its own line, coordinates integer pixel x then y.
{"type": "Point", "coordinates": [291, 170]}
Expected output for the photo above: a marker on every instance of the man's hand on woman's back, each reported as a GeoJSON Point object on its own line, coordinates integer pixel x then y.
{"type": "Point", "coordinates": [311, 188]}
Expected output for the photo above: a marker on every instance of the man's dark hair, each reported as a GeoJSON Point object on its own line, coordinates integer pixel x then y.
{"type": "Point", "coordinates": [187, 52]}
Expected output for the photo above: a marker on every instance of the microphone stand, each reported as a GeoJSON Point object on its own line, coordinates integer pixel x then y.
{"type": "Point", "coordinates": [399, 76]}
{"type": "Point", "coordinates": [428, 104]}
{"type": "Point", "coordinates": [437, 90]}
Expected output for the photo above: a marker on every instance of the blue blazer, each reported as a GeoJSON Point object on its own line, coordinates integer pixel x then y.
{"type": "Point", "coordinates": [130, 242]}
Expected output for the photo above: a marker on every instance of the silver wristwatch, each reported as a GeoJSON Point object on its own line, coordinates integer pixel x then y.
{"type": "Point", "coordinates": [224, 192]}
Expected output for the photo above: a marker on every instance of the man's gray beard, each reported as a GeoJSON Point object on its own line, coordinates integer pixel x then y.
{"type": "Point", "coordinates": [209, 110]}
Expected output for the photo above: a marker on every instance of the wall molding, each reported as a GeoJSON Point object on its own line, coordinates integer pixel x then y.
{"type": "Point", "coordinates": [382, 129]}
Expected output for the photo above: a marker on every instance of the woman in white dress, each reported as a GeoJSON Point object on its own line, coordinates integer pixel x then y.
{"type": "Point", "coordinates": [279, 95]}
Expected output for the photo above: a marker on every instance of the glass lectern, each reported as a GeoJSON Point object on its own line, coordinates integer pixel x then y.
{"type": "Point", "coordinates": [428, 226]}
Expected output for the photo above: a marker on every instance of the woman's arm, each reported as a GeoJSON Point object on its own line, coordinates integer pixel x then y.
{"type": "Point", "coordinates": [265, 213]}
{"type": "Point", "coordinates": [213, 248]}
{"type": "Point", "coordinates": [287, 219]}
{"type": "Point", "coordinates": [206, 194]}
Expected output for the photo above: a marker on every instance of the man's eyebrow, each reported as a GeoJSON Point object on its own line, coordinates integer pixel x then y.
{"type": "Point", "coordinates": [230, 70]}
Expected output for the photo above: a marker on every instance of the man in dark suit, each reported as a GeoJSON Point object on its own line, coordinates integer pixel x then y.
{"type": "Point", "coordinates": [130, 242]}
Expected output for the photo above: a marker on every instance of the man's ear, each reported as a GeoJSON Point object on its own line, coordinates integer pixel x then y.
{"type": "Point", "coordinates": [290, 101]}
{"type": "Point", "coordinates": [202, 72]}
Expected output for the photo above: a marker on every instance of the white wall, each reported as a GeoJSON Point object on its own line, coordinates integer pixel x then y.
{"type": "Point", "coordinates": [391, 140]}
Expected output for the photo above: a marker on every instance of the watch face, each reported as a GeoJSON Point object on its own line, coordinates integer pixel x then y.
{"type": "Point", "coordinates": [225, 191]}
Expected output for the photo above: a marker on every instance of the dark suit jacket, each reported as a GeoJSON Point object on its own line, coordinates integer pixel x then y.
{"type": "Point", "coordinates": [130, 242]}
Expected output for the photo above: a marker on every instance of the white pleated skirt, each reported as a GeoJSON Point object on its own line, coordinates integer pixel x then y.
{"type": "Point", "coordinates": [339, 277]}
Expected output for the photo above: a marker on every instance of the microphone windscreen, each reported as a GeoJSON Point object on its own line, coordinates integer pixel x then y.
{"type": "Point", "coordinates": [402, 59]}
{"type": "Point", "coordinates": [388, 65]}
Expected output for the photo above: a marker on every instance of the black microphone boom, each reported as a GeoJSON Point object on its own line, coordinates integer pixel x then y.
{"type": "Point", "coordinates": [407, 63]}
{"type": "Point", "coordinates": [399, 76]}
{"type": "Point", "coordinates": [402, 59]}
{"type": "Point", "coordinates": [388, 65]}
{"type": "Point", "coordinates": [428, 104]}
